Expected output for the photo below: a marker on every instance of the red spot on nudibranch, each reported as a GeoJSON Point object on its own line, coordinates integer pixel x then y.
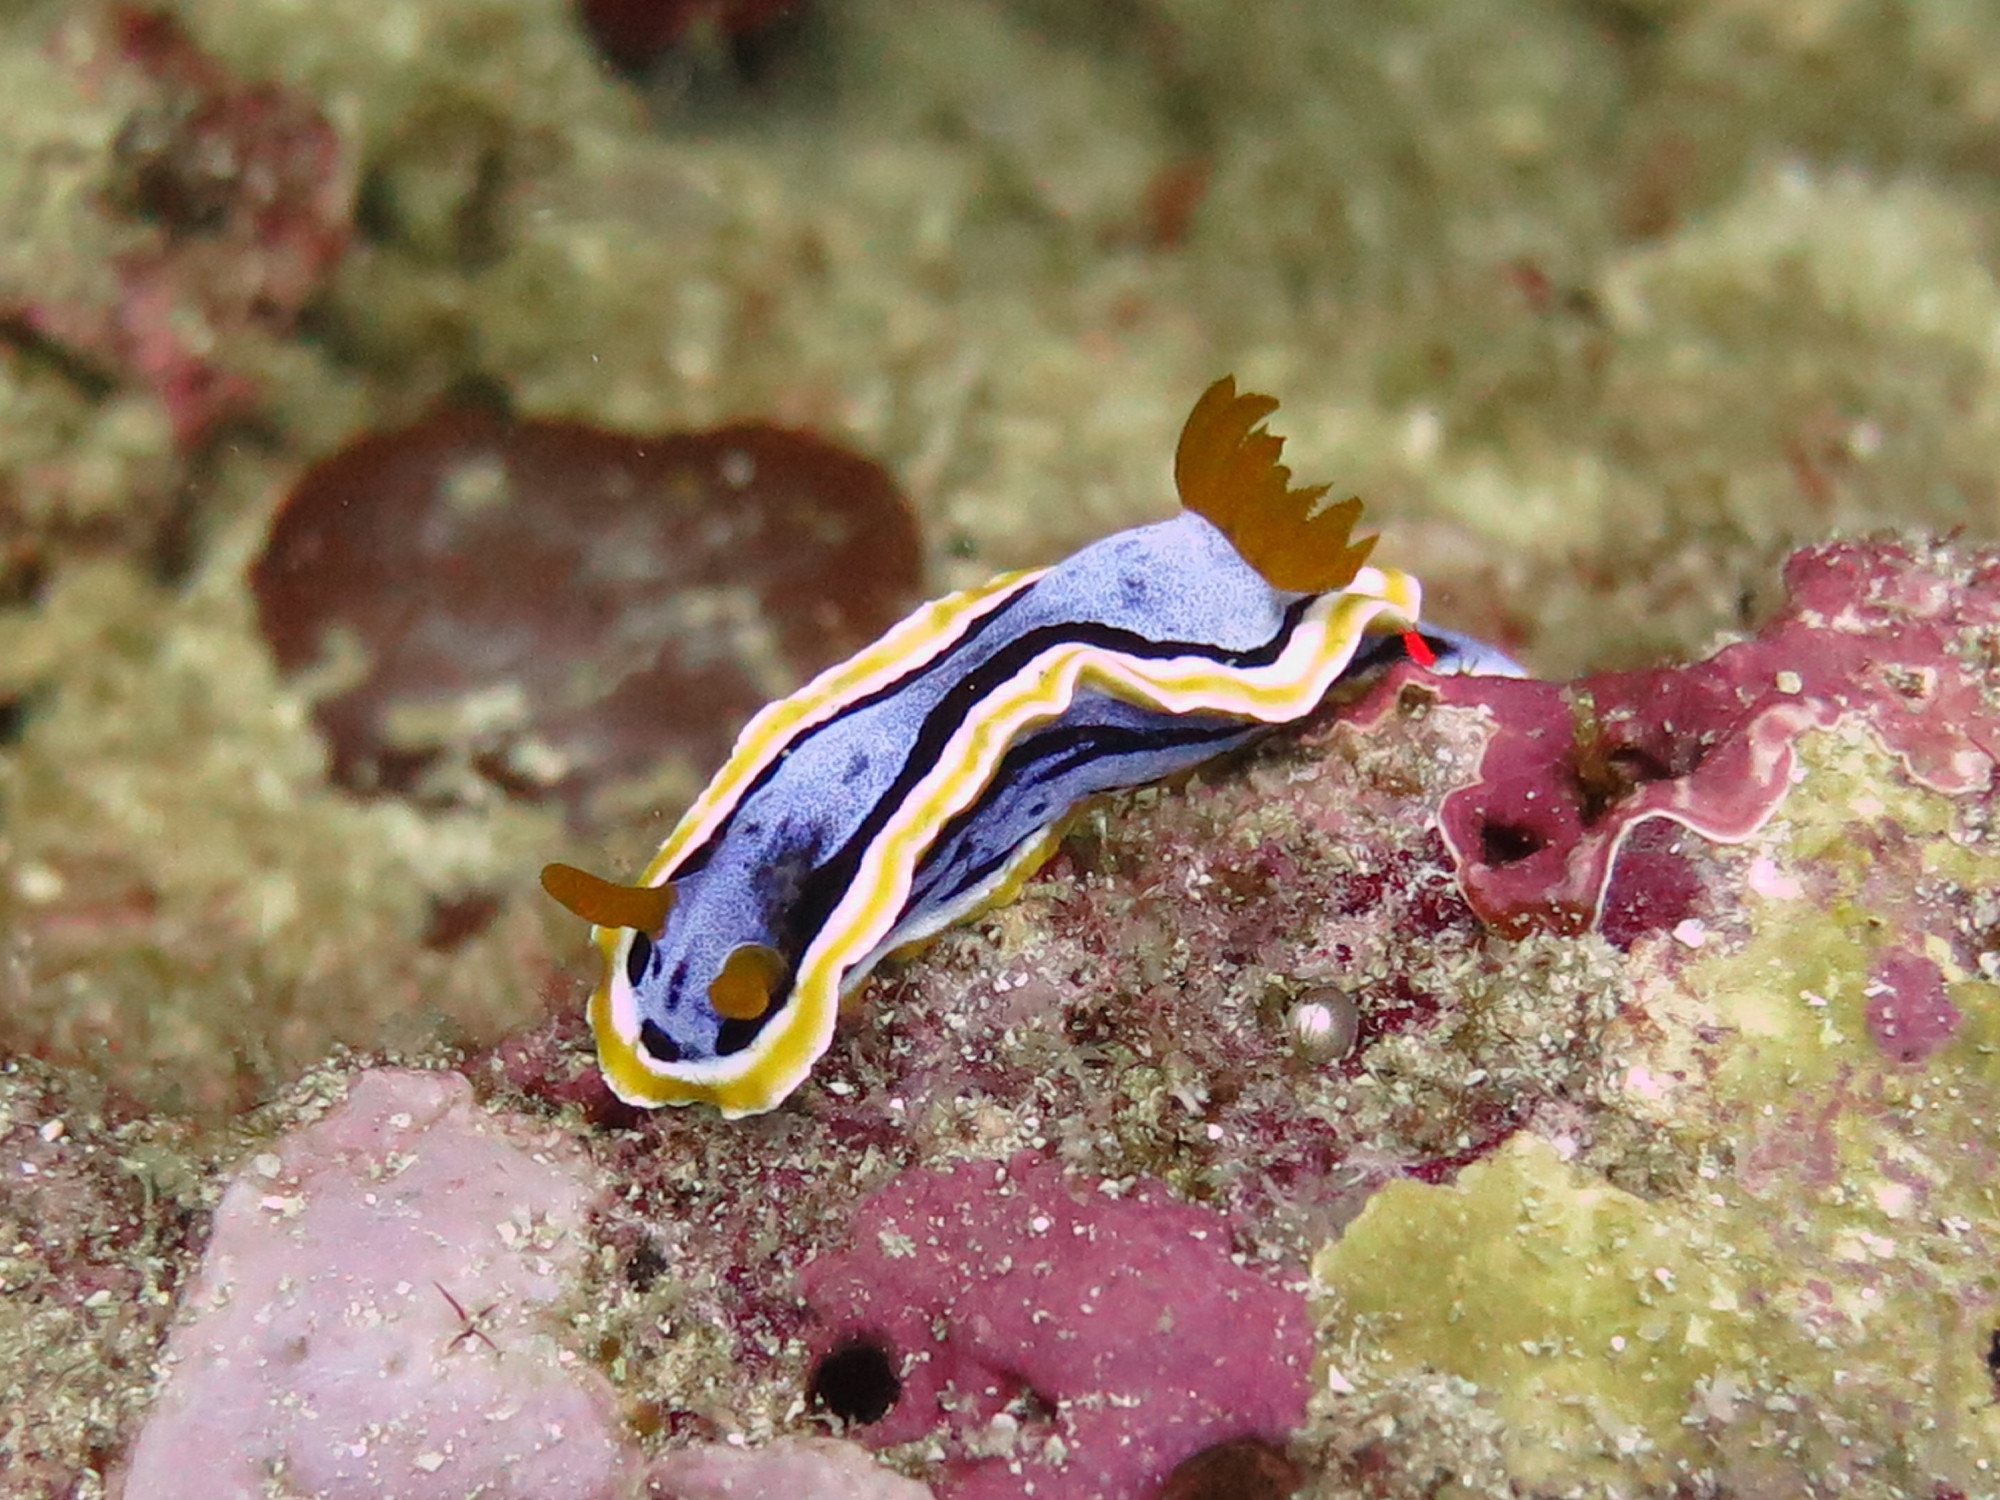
{"type": "Point", "coordinates": [1419, 649]}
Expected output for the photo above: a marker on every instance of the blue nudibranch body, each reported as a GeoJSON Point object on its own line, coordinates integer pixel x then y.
{"type": "Point", "coordinates": [927, 776]}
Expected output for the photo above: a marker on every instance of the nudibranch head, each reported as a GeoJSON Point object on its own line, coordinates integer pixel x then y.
{"type": "Point", "coordinates": [679, 998]}
{"type": "Point", "coordinates": [927, 776]}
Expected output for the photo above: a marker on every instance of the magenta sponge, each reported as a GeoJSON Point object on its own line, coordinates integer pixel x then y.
{"type": "Point", "coordinates": [1084, 1336]}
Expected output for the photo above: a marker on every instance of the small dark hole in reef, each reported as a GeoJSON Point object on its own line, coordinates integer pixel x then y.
{"type": "Point", "coordinates": [1993, 1362]}
{"type": "Point", "coordinates": [644, 1266]}
{"type": "Point", "coordinates": [1240, 1469]}
{"type": "Point", "coordinates": [13, 720]}
{"type": "Point", "coordinates": [1636, 766]}
{"type": "Point", "coordinates": [1508, 843]}
{"type": "Point", "coordinates": [856, 1382]}
{"type": "Point", "coordinates": [1605, 778]}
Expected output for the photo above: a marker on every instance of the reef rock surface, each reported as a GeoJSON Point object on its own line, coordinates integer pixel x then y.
{"type": "Point", "coordinates": [1498, 1088]}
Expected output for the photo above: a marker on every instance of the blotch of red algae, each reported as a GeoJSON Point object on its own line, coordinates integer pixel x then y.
{"type": "Point", "coordinates": [633, 34]}
{"type": "Point", "coordinates": [226, 207]}
{"type": "Point", "coordinates": [1872, 631]}
{"type": "Point", "coordinates": [1653, 887]}
{"type": "Point", "coordinates": [1909, 1015]}
{"type": "Point", "coordinates": [547, 609]}
{"type": "Point", "coordinates": [1082, 1346]}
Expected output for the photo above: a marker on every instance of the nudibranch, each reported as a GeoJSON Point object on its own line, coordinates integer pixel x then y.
{"type": "Point", "coordinates": [928, 776]}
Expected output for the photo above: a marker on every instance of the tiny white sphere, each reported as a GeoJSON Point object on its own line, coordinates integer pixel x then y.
{"type": "Point", "coordinates": [1324, 1023]}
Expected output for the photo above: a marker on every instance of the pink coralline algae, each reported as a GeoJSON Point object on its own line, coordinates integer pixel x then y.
{"type": "Point", "coordinates": [1565, 827]}
{"type": "Point", "coordinates": [1064, 1343]}
{"type": "Point", "coordinates": [1908, 1014]}
{"type": "Point", "coordinates": [368, 1318]}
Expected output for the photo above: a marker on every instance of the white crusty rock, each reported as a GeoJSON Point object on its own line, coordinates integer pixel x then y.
{"type": "Point", "coordinates": [369, 1318]}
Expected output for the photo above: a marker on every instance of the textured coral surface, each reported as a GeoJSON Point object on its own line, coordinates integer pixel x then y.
{"type": "Point", "coordinates": [1707, 1209]}
{"type": "Point", "coordinates": [1805, 1302]}
{"type": "Point", "coordinates": [1602, 309]}
{"type": "Point", "coordinates": [1872, 634]}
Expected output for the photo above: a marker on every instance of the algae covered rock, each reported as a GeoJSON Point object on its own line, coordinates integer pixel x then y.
{"type": "Point", "coordinates": [1663, 1166]}
{"type": "Point", "coordinates": [1810, 1304]}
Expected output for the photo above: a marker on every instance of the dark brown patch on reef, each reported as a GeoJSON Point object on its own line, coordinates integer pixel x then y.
{"type": "Point", "coordinates": [1243, 1469]}
{"type": "Point", "coordinates": [544, 609]}
{"type": "Point", "coordinates": [636, 36]}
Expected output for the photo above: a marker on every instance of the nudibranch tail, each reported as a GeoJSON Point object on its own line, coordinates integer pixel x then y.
{"type": "Point", "coordinates": [642, 907]}
{"type": "Point", "coordinates": [1227, 471]}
